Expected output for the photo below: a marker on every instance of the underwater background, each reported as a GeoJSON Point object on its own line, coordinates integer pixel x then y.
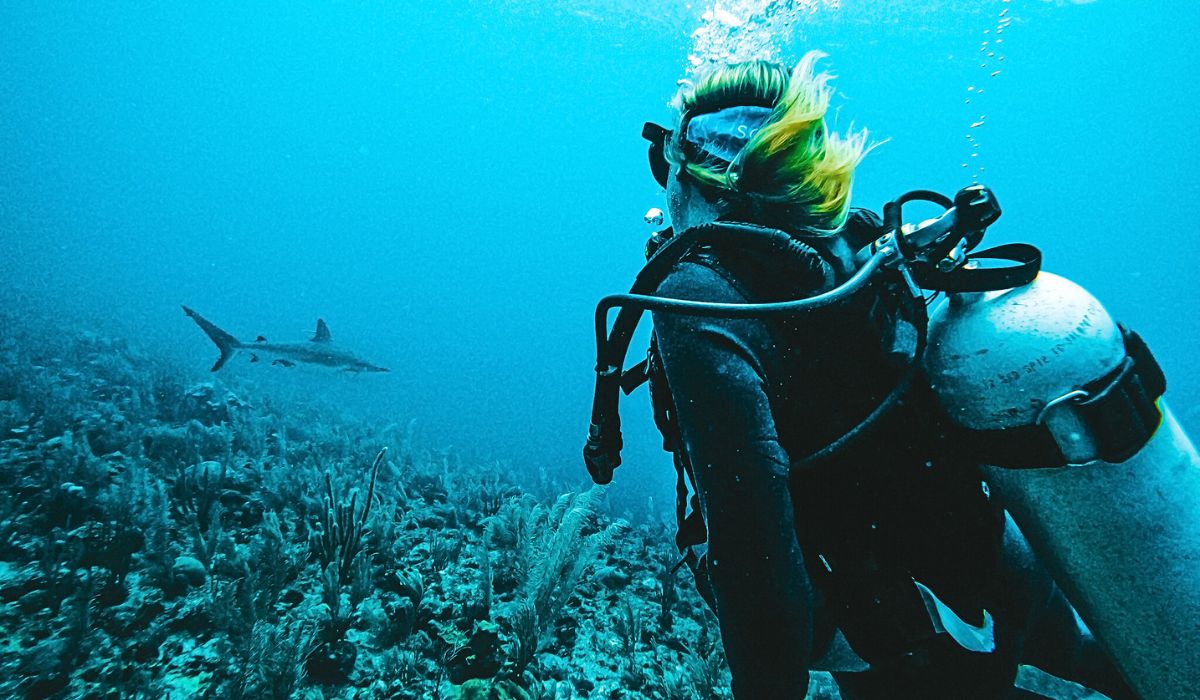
{"type": "Point", "coordinates": [452, 187]}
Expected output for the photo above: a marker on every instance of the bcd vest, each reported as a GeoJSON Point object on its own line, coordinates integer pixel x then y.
{"type": "Point", "coordinates": [878, 506]}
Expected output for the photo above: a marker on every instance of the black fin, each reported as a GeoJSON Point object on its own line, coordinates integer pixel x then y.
{"type": "Point", "coordinates": [253, 357]}
{"type": "Point", "coordinates": [260, 339]}
{"type": "Point", "coordinates": [322, 334]}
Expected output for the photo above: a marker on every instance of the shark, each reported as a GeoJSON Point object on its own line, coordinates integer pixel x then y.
{"type": "Point", "coordinates": [319, 350]}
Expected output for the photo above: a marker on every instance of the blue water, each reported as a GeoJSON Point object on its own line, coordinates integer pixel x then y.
{"type": "Point", "coordinates": [452, 186]}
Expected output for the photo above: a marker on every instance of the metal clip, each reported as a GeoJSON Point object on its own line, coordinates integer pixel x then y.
{"type": "Point", "coordinates": [887, 246]}
{"type": "Point", "coordinates": [1077, 394]}
{"type": "Point", "coordinates": [954, 259]}
{"type": "Point", "coordinates": [606, 371]}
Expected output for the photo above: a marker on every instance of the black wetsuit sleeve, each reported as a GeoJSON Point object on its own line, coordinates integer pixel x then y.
{"type": "Point", "coordinates": [717, 371]}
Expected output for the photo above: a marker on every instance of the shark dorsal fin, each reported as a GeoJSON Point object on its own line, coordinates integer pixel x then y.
{"type": "Point", "coordinates": [322, 334]}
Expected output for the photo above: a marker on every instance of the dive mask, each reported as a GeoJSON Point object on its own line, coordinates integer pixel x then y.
{"type": "Point", "coordinates": [712, 136]}
{"type": "Point", "coordinates": [657, 136]}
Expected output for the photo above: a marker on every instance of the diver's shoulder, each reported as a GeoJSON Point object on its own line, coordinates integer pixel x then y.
{"type": "Point", "coordinates": [700, 277]}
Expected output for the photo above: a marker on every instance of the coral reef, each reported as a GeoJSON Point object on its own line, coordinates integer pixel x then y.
{"type": "Point", "coordinates": [169, 538]}
{"type": "Point", "coordinates": [161, 537]}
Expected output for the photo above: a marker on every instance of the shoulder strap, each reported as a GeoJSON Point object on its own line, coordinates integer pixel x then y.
{"type": "Point", "coordinates": [602, 451]}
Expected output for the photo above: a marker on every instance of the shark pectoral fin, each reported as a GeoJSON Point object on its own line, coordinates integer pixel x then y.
{"type": "Point", "coordinates": [977, 638]}
{"type": "Point", "coordinates": [322, 333]}
{"type": "Point", "coordinates": [253, 357]}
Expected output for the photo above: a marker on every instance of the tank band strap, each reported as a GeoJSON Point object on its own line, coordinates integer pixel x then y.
{"type": "Point", "coordinates": [1119, 412]}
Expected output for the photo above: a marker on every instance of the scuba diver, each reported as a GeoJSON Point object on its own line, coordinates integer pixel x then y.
{"type": "Point", "coordinates": [825, 524]}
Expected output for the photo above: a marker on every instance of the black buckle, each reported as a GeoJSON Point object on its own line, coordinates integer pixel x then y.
{"type": "Point", "coordinates": [1120, 411]}
{"type": "Point", "coordinates": [1122, 416]}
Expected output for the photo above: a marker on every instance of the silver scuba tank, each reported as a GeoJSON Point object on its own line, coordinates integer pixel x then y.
{"type": "Point", "coordinates": [1122, 538]}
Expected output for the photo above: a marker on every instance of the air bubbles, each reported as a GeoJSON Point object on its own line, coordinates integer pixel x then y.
{"type": "Point", "coordinates": [743, 30]}
{"type": "Point", "coordinates": [723, 16]}
{"type": "Point", "coordinates": [990, 44]}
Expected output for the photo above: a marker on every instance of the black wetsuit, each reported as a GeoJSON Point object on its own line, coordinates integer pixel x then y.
{"type": "Point", "coordinates": [752, 398]}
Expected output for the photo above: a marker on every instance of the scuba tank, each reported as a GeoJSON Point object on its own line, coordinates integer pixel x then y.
{"type": "Point", "coordinates": [1035, 381]}
{"type": "Point", "coordinates": [1060, 402]}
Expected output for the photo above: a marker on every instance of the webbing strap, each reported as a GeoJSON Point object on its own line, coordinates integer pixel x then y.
{"type": "Point", "coordinates": [1119, 412]}
{"type": "Point", "coordinates": [1026, 263]}
{"type": "Point", "coordinates": [602, 451]}
{"type": "Point", "coordinates": [635, 376]}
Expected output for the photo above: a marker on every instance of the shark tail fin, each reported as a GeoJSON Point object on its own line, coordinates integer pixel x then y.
{"type": "Point", "coordinates": [225, 342]}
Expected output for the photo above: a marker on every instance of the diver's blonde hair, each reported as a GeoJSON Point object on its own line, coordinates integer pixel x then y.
{"type": "Point", "coordinates": [793, 167]}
